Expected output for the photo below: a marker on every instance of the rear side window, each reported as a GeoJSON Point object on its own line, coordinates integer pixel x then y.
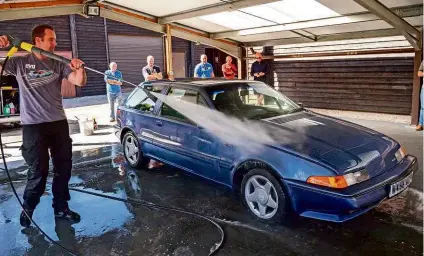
{"type": "Point", "coordinates": [143, 101]}
{"type": "Point", "coordinates": [183, 95]}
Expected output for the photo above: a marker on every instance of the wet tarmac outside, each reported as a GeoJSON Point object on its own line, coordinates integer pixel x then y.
{"type": "Point", "coordinates": [111, 227]}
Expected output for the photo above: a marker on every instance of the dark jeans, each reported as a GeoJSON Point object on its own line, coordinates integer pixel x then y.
{"type": "Point", "coordinates": [37, 140]}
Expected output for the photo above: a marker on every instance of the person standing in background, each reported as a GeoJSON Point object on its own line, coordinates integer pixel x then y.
{"type": "Point", "coordinates": [229, 69]}
{"type": "Point", "coordinates": [204, 69]}
{"type": "Point", "coordinates": [151, 72]}
{"type": "Point", "coordinates": [421, 118]}
{"type": "Point", "coordinates": [259, 71]}
{"type": "Point", "coordinates": [113, 79]}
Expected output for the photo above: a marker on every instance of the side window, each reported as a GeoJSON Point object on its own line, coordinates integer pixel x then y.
{"type": "Point", "coordinates": [142, 101]}
{"type": "Point", "coordinates": [183, 95]}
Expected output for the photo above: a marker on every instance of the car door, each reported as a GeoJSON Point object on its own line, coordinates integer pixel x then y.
{"type": "Point", "coordinates": [139, 116]}
{"type": "Point", "coordinates": [187, 143]}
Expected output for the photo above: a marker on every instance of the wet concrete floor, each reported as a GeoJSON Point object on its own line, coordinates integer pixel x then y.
{"type": "Point", "coordinates": [110, 227]}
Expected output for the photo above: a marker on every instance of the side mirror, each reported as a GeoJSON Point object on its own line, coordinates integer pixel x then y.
{"type": "Point", "coordinates": [200, 127]}
{"type": "Point", "coordinates": [300, 104]}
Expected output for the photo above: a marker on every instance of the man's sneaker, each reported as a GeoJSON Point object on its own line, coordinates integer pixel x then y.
{"type": "Point", "coordinates": [68, 215]}
{"type": "Point", "coordinates": [112, 120]}
{"type": "Point", "coordinates": [24, 220]}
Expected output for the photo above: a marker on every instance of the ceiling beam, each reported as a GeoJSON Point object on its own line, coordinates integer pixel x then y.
{"type": "Point", "coordinates": [213, 9]}
{"type": "Point", "coordinates": [130, 18]}
{"type": "Point", "coordinates": [327, 38]}
{"type": "Point", "coordinates": [139, 20]}
{"type": "Point", "coordinates": [28, 13]}
{"type": "Point", "coordinates": [411, 33]}
{"type": "Point", "coordinates": [36, 4]}
{"type": "Point", "coordinates": [336, 53]}
{"type": "Point", "coordinates": [232, 50]}
{"type": "Point", "coordinates": [408, 11]}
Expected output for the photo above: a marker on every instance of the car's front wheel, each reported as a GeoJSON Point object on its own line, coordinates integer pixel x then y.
{"type": "Point", "coordinates": [264, 196]}
{"type": "Point", "coordinates": [132, 151]}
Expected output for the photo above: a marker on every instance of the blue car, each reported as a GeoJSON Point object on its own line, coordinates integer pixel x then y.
{"type": "Point", "coordinates": [317, 166]}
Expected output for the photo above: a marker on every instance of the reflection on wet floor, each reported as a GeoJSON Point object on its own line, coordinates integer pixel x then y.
{"type": "Point", "coordinates": [107, 226]}
{"type": "Point", "coordinates": [110, 227]}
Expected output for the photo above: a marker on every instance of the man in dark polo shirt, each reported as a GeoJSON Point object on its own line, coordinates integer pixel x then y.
{"type": "Point", "coordinates": [259, 71]}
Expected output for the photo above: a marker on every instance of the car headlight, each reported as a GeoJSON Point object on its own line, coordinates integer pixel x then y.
{"type": "Point", "coordinates": [341, 181]}
{"type": "Point", "coordinates": [400, 154]}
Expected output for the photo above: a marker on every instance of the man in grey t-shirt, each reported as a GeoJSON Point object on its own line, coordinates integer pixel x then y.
{"type": "Point", "coordinates": [44, 124]}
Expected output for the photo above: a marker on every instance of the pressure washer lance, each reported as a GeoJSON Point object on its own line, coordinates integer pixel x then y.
{"type": "Point", "coordinates": [17, 43]}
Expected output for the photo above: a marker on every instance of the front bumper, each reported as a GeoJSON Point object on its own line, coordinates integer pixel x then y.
{"type": "Point", "coordinates": [342, 205]}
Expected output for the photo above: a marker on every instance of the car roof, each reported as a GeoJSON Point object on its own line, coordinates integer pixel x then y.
{"type": "Point", "coordinates": [200, 83]}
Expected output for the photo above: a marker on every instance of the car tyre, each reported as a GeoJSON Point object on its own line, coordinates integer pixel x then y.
{"type": "Point", "coordinates": [264, 197]}
{"type": "Point", "coordinates": [132, 151]}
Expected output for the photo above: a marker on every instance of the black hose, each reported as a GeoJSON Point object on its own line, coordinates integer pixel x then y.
{"type": "Point", "coordinates": [148, 204]}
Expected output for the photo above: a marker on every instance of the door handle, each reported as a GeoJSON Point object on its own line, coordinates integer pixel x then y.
{"type": "Point", "coordinates": [159, 123]}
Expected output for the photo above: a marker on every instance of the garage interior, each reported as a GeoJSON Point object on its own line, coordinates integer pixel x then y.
{"type": "Point", "coordinates": [350, 55]}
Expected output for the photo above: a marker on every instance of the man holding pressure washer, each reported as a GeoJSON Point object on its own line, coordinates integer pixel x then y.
{"type": "Point", "coordinates": [44, 123]}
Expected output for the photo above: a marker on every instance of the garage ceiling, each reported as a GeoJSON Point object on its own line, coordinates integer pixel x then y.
{"type": "Point", "coordinates": [263, 22]}
{"type": "Point", "coordinates": [255, 21]}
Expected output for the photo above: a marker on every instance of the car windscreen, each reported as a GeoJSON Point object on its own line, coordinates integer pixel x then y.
{"type": "Point", "coordinates": [250, 100]}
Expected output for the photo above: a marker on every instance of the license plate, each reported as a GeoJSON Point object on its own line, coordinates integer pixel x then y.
{"type": "Point", "coordinates": [400, 186]}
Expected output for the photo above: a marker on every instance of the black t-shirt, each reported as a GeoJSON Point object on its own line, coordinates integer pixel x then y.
{"type": "Point", "coordinates": [149, 71]}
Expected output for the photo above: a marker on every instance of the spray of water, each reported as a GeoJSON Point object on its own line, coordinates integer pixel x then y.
{"type": "Point", "coordinates": [244, 134]}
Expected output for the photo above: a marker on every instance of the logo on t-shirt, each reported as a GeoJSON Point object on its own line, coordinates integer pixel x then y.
{"type": "Point", "coordinates": [40, 77]}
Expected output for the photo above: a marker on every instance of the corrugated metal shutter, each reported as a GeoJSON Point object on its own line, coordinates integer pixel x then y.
{"type": "Point", "coordinates": [130, 53]}
{"type": "Point", "coordinates": [381, 85]}
{"type": "Point", "coordinates": [92, 50]}
{"type": "Point", "coordinates": [22, 29]}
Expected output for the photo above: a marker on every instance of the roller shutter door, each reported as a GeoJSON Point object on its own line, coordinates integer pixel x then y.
{"type": "Point", "coordinates": [382, 85]}
{"type": "Point", "coordinates": [130, 53]}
